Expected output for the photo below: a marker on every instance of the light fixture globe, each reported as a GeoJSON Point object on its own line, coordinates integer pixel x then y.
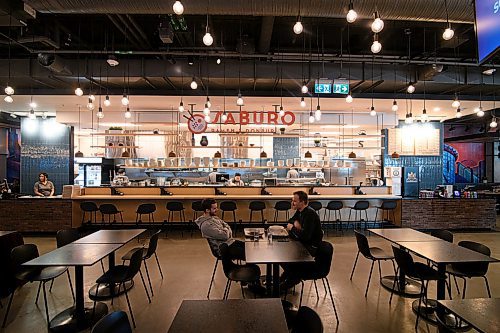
{"type": "Point", "coordinates": [223, 118]}
{"type": "Point", "coordinates": [302, 102]}
{"type": "Point", "coordinates": [218, 61]}
{"type": "Point", "coordinates": [125, 100]}
{"type": "Point", "coordinates": [8, 99]}
{"type": "Point", "coordinates": [31, 114]}
{"type": "Point", "coordinates": [100, 114]}
{"type": "Point", "coordinates": [181, 107]}
{"type": "Point", "coordinates": [107, 101]}
{"type": "Point", "coordinates": [298, 28]}
{"type": "Point", "coordinates": [317, 114]}
{"type": "Point", "coordinates": [493, 123]}
{"type": "Point", "coordinates": [395, 106]}
{"type": "Point", "coordinates": [455, 103]}
{"type": "Point", "coordinates": [351, 14]}
{"type": "Point", "coordinates": [208, 40]}
{"type": "Point", "coordinates": [79, 92]}
{"type": "Point", "coordinates": [282, 111]}
{"type": "Point", "coordinates": [349, 99]}
{"type": "Point", "coordinates": [33, 105]}
{"type": "Point", "coordinates": [209, 104]}
{"type": "Point", "coordinates": [239, 100]}
{"type": "Point", "coordinates": [448, 33]}
{"type": "Point", "coordinates": [410, 89]}
{"type": "Point", "coordinates": [304, 88]}
{"type": "Point", "coordinates": [458, 114]}
{"type": "Point", "coordinates": [373, 113]}
{"type": "Point", "coordinates": [424, 118]}
{"type": "Point", "coordinates": [193, 84]}
{"type": "Point", "coordinates": [9, 90]}
{"type": "Point", "coordinates": [311, 117]}
{"type": "Point", "coordinates": [90, 106]}
{"type": "Point", "coordinates": [206, 110]}
{"type": "Point", "coordinates": [480, 112]}
{"type": "Point", "coordinates": [128, 114]}
{"type": "Point", "coordinates": [92, 97]}
{"type": "Point", "coordinates": [376, 47]}
{"type": "Point", "coordinates": [178, 8]}
{"type": "Point", "coordinates": [207, 118]}
{"type": "Point", "coordinates": [377, 24]}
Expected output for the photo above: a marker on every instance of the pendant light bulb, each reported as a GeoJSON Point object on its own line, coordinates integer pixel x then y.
{"type": "Point", "coordinates": [410, 118]}
{"type": "Point", "coordinates": [351, 14]}
{"type": "Point", "coordinates": [455, 103]}
{"type": "Point", "coordinates": [8, 99]}
{"type": "Point", "coordinates": [302, 102]}
{"type": "Point", "coordinates": [377, 24]}
{"type": "Point", "coordinates": [224, 117]}
{"type": "Point", "coordinates": [107, 101]}
{"type": "Point", "coordinates": [493, 123]}
{"type": "Point", "coordinates": [193, 84]}
{"type": "Point", "coordinates": [207, 118]}
{"type": "Point", "coordinates": [208, 40]}
{"type": "Point", "coordinates": [9, 90]}
{"type": "Point", "coordinates": [239, 100]}
{"type": "Point", "coordinates": [298, 27]}
{"type": "Point", "coordinates": [178, 8]}
{"type": "Point", "coordinates": [480, 112]}
{"type": "Point", "coordinates": [282, 111]}
{"type": "Point", "coordinates": [128, 114]}
{"type": "Point", "coordinates": [349, 99]}
{"type": "Point", "coordinates": [311, 117]}
{"type": "Point", "coordinates": [373, 113]}
{"type": "Point", "coordinates": [395, 106]}
{"type": "Point", "coordinates": [410, 89]}
{"type": "Point", "coordinates": [33, 105]}
{"type": "Point", "coordinates": [206, 110]}
{"type": "Point", "coordinates": [31, 114]}
{"type": "Point", "coordinates": [448, 33]}
{"type": "Point", "coordinates": [218, 61]}
{"type": "Point", "coordinates": [90, 105]}
{"type": "Point", "coordinates": [458, 114]}
{"type": "Point", "coordinates": [424, 118]}
{"type": "Point", "coordinates": [304, 88]}
{"type": "Point", "coordinates": [181, 107]}
{"type": "Point", "coordinates": [92, 97]}
{"type": "Point", "coordinates": [79, 92]}
{"type": "Point", "coordinates": [376, 46]}
{"type": "Point", "coordinates": [317, 114]}
{"type": "Point", "coordinates": [125, 100]}
{"type": "Point", "coordinates": [208, 102]}
{"type": "Point", "coordinates": [100, 114]}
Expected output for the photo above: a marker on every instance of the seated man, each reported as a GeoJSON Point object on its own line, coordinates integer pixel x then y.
{"type": "Point", "coordinates": [304, 226]}
{"type": "Point", "coordinates": [236, 181]}
{"type": "Point", "coordinates": [216, 231]}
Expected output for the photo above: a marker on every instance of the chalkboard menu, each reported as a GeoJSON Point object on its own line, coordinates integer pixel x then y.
{"type": "Point", "coordinates": [45, 147]}
{"type": "Point", "coordinates": [283, 149]}
{"type": "Point", "coordinates": [414, 141]}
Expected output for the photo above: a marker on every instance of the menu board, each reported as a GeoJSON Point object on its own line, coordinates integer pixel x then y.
{"type": "Point", "coordinates": [411, 141]}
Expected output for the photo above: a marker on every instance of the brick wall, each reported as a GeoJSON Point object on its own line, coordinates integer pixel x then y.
{"type": "Point", "coordinates": [448, 213]}
{"type": "Point", "coordinates": [35, 215]}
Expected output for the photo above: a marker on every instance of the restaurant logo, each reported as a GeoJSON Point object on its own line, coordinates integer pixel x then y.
{"type": "Point", "coordinates": [197, 123]}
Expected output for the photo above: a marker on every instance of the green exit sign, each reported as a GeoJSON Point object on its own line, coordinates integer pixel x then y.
{"type": "Point", "coordinates": [341, 86]}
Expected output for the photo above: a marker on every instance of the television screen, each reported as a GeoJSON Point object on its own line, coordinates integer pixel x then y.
{"type": "Point", "coordinates": [487, 28]}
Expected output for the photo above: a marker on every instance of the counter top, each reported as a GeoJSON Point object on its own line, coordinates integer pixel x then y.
{"type": "Point", "coordinates": [237, 197]}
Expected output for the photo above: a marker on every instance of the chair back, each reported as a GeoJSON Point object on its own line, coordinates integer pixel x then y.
{"type": "Point", "coordinates": [135, 263]}
{"type": "Point", "coordinates": [88, 206]}
{"type": "Point", "coordinates": [147, 208]}
{"type": "Point", "coordinates": [23, 253]}
{"type": "Point", "coordinates": [108, 209]}
{"type": "Point", "coordinates": [404, 261]}
{"type": "Point", "coordinates": [323, 260]}
{"type": "Point", "coordinates": [316, 205]}
{"type": "Point", "coordinates": [228, 206]}
{"type": "Point", "coordinates": [214, 248]}
{"type": "Point", "coordinates": [473, 268]}
{"type": "Point", "coordinates": [175, 206]}
{"type": "Point", "coordinates": [363, 245]}
{"type": "Point", "coordinates": [361, 205]}
{"type": "Point", "coordinates": [335, 205]}
{"type": "Point", "coordinates": [114, 322]}
{"type": "Point", "coordinates": [389, 204]}
{"type": "Point", "coordinates": [307, 321]}
{"type": "Point", "coordinates": [257, 205]}
{"type": "Point", "coordinates": [443, 234]}
{"type": "Point", "coordinates": [153, 244]}
{"type": "Point", "coordinates": [227, 263]}
{"type": "Point", "coordinates": [283, 205]}
{"type": "Point", "coordinates": [196, 206]}
{"type": "Point", "coordinates": [66, 236]}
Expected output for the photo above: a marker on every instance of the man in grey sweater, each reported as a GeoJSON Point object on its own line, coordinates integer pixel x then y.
{"type": "Point", "coordinates": [216, 231]}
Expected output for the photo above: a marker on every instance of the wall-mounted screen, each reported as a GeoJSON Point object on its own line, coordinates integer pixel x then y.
{"type": "Point", "coordinates": [487, 28]}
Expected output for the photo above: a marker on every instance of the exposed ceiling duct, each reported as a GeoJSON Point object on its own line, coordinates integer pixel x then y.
{"type": "Point", "coordinates": [413, 10]}
{"type": "Point", "coordinates": [54, 63]}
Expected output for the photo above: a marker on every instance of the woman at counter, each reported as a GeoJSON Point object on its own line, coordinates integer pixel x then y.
{"type": "Point", "coordinates": [43, 187]}
{"type": "Point", "coordinates": [236, 181]}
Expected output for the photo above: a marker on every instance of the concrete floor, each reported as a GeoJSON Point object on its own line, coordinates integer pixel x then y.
{"type": "Point", "coordinates": [187, 265]}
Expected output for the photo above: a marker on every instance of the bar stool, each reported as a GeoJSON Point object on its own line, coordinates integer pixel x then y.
{"type": "Point", "coordinates": [316, 205]}
{"type": "Point", "coordinates": [388, 206]}
{"type": "Point", "coordinates": [172, 207]}
{"type": "Point", "coordinates": [89, 207]}
{"type": "Point", "coordinates": [359, 207]}
{"type": "Point", "coordinates": [230, 206]}
{"type": "Point", "coordinates": [257, 206]}
{"type": "Point", "coordinates": [110, 209]}
{"type": "Point", "coordinates": [282, 206]}
{"type": "Point", "coordinates": [335, 206]}
{"type": "Point", "coordinates": [145, 209]}
{"type": "Point", "coordinates": [196, 208]}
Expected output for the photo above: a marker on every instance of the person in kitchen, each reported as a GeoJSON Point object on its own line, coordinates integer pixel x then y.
{"type": "Point", "coordinates": [236, 180]}
{"type": "Point", "coordinates": [121, 178]}
{"type": "Point", "coordinates": [212, 176]}
{"type": "Point", "coordinates": [43, 187]}
{"type": "Point", "coordinates": [292, 174]}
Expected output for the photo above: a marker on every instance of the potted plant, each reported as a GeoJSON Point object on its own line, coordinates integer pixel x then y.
{"type": "Point", "coordinates": [115, 130]}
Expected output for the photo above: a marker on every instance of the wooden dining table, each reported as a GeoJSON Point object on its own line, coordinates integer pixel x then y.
{"type": "Point", "coordinates": [481, 313]}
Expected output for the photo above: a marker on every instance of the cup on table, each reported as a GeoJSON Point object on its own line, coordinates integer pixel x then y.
{"type": "Point", "coordinates": [256, 236]}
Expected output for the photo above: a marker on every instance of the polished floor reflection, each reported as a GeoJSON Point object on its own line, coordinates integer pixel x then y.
{"type": "Point", "coordinates": [187, 266]}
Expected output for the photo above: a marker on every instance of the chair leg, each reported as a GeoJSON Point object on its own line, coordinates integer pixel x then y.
{"type": "Point", "coordinates": [354, 267]}
{"type": "Point", "coordinates": [316, 288]}
{"type": "Point", "coordinates": [8, 308]}
{"type": "Point", "coordinates": [212, 280]}
{"type": "Point", "coordinates": [422, 291]}
{"type": "Point", "coordinates": [159, 267]}
{"type": "Point", "coordinates": [487, 286]}
{"type": "Point", "coordinates": [456, 284]}
{"type": "Point", "coordinates": [38, 292]}
{"type": "Point", "coordinates": [394, 284]}
{"type": "Point", "coordinates": [144, 284]}
{"type": "Point", "coordinates": [71, 286]}
{"type": "Point", "coordinates": [93, 307]}
{"type": "Point", "coordinates": [228, 289]}
{"type": "Point", "coordinates": [46, 304]}
{"type": "Point", "coordinates": [51, 284]}
{"type": "Point", "coordinates": [465, 288]}
{"type": "Point", "coordinates": [331, 297]}
{"type": "Point", "coordinates": [369, 278]}
{"type": "Point", "coordinates": [149, 279]}
{"type": "Point", "coordinates": [102, 267]}
{"type": "Point", "coordinates": [129, 307]}
{"type": "Point", "coordinates": [379, 270]}
{"type": "Point", "coordinates": [301, 293]}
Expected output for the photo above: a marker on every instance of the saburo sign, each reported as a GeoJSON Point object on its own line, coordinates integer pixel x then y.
{"type": "Point", "coordinates": [197, 124]}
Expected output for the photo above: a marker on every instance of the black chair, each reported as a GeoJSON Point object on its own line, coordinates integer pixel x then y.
{"type": "Point", "coordinates": [197, 209]}
{"type": "Point", "coordinates": [335, 207]}
{"type": "Point", "coordinates": [147, 253]}
{"type": "Point", "coordinates": [248, 273]}
{"type": "Point", "coordinates": [374, 254]}
{"type": "Point", "coordinates": [320, 271]}
{"type": "Point", "coordinates": [172, 207]}
{"type": "Point", "coordinates": [24, 253]}
{"type": "Point", "coordinates": [316, 205]}
{"type": "Point", "coordinates": [469, 270]}
{"type": "Point", "coordinates": [388, 206]}
{"type": "Point", "coordinates": [90, 208]}
{"type": "Point", "coordinates": [114, 322]}
{"type": "Point", "coordinates": [307, 321]}
{"type": "Point", "coordinates": [282, 206]}
{"type": "Point", "coordinates": [145, 209]}
{"type": "Point", "coordinates": [230, 206]}
{"type": "Point", "coordinates": [110, 209]}
{"type": "Point", "coordinates": [416, 271]}
{"type": "Point", "coordinates": [215, 253]}
{"type": "Point", "coordinates": [359, 207]}
{"type": "Point", "coordinates": [121, 274]}
{"type": "Point", "coordinates": [443, 234]}
{"type": "Point", "coordinates": [256, 206]}
{"type": "Point", "coordinates": [67, 236]}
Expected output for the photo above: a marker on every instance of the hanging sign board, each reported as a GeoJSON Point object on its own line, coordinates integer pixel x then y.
{"type": "Point", "coordinates": [323, 86]}
{"type": "Point", "coordinates": [341, 86]}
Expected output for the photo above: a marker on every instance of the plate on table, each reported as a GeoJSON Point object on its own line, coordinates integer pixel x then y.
{"type": "Point", "coordinates": [249, 232]}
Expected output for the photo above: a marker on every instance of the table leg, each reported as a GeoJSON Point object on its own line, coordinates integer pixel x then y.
{"type": "Point", "coordinates": [269, 279]}
{"type": "Point", "coordinates": [441, 285]}
{"type": "Point", "coordinates": [404, 286]}
{"type": "Point", "coordinates": [276, 280]}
